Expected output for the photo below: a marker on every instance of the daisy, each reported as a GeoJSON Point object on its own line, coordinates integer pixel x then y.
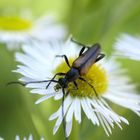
{"type": "Point", "coordinates": [29, 138]}
{"type": "Point", "coordinates": [128, 46]}
{"type": "Point", "coordinates": [17, 30]}
{"type": "Point", "coordinates": [39, 62]}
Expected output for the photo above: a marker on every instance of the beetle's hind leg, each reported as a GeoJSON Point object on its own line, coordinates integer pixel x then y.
{"type": "Point", "coordinates": [82, 79]}
{"type": "Point", "coordinates": [66, 59]}
{"type": "Point", "coordinates": [76, 85]}
{"type": "Point", "coordinates": [100, 56]}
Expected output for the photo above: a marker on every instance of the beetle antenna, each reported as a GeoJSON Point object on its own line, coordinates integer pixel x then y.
{"type": "Point", "coordinates": [16, 82]}
{"type": "Point", "coordinates": [26, 83]}
{"type": "Point", "coordinates": [78, 43]}
{"type": "Point", "coordinates": [63, 117]}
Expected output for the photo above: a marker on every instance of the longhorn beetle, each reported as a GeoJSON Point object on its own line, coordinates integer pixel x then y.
{"type": "Point", "coordinates": [79, 68]}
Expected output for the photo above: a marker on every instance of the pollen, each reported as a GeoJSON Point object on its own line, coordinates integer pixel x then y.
{"type": "Point", "coordinates": [14, 24]}
{"type": "Point", "coordinates": [96, 76]}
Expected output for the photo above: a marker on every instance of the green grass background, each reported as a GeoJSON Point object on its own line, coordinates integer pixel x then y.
{"type": "Point", "coordinates": [89, 21]}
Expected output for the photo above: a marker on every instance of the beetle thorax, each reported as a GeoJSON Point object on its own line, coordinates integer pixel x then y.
{"type": "Point", "coordinates": [72, 74]}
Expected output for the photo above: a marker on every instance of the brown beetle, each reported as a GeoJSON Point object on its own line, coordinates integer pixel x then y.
{"type": "Point", "coordinates": [78, 69]}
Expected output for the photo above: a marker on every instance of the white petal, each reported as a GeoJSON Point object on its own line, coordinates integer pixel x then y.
{"type": "Point", "coordinates": [89, 112]}
{"type": "Point", "coordinates": [70, 111]}
{"type": "Point", "coordinates": [107, 124]}
{"type": "Point", "coordinates": [128, 46]}
{"type": "Point", "coordinates": [57, 125]}
{"type": "Point", "coordinates": [67, 103]}
{"type": "Point", "coordinates": [58, 114]}
{"type": "Point", "coordinates": [17, 137]}
{"type": "Point", "coordinates": [68, 128]}
{"type": "Point", "coordinates": [94, 111]}
{"type": "Point", "coordinates": [103, 125]}
{"type": "Point", "coordinates": [77, 110]}
{"type": "Point", "coordinates": [58, 96]}
{"type": "Point", "coordinates": [130, 103]}
{"type": "Point", "coordinates": [45, 98]}
{"type": "Point", "coordinates": [30, 137]}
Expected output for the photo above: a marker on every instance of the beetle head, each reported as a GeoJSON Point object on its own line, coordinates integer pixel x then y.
{"type": "Point", "coordinates": [63, 82]}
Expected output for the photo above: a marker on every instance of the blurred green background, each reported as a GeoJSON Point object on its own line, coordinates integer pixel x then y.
{"type": "Point", "coordinates": [89, 21]}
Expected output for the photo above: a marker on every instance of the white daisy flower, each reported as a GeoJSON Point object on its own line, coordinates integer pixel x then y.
{"type": "Point", "coordinates": [17, 30]}
{"type": "Point", "coordinates": [1, 138]}
{"type": "Point", "coordinates": [128, 46]}
{"type": "Point", "coordinates": [29, 138]}
{"type": "Point", "coordinates": [39, 62]}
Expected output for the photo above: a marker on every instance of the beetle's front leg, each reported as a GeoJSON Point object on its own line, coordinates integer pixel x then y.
{"type": "Point", "coordinates": [60, 74]}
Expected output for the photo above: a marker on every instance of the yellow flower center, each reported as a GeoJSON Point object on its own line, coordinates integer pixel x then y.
{"type": "Point", "coordinates": [96, 76]}
{"type": "Point", "coordinates": [14, 24]}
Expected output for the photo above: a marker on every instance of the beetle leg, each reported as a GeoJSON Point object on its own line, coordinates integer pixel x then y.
{"type": "Point", "coordinates": [82, 79]}
{"type": "Point", "coordinates": [66, 59]}
{"type": "Point", "coordinates": [60, 74]}
{"type": "Point", "coordinates": [100, 56]}
{"type": "Point", "coordinates": [76, 85]}
{"type": "Point", "coordinates": [67, 92]}
{"type": "Point", "coordinates": [63, 115]}
{"type": "Point", "coordinates": [81, 51]}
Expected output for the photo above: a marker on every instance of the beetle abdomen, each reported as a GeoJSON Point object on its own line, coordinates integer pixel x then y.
{"type": "Point", "coordinates": [87, 59]}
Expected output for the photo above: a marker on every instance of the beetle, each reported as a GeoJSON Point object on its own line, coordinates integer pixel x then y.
{"type": "Point", "coordinates": [88, 56]}
{"type": "Point", "coordinates": [79, 67]}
